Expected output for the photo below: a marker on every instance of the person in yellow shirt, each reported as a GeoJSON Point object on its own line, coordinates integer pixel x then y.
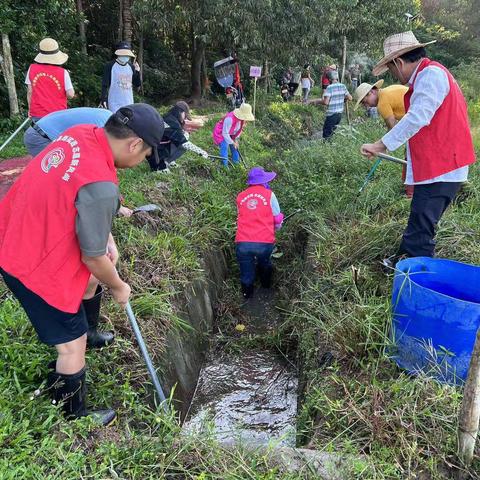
{"type": "Point", "coordinates": [390, 106]}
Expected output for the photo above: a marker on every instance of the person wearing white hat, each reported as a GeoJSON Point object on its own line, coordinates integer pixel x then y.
{"type": "Point", "coordinates": [389, 103]}
{"type": "Point", "coordinates": [437, 133]}
{"type": "Point", "coordinates": [119, 78]}
{"type": "Point", "coordinates": [228, 130]}
{"type": "Point", "coordinates": [48, 84]}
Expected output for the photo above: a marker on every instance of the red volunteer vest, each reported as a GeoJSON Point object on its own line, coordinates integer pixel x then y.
{"type": "Point", "coordinates": [38, 241]}
{"type": "Point", "coordinates": [446, 144]}
{"type": "Point", "coordinates": [217, 131]}
{"type": "Point", "coordinates": [255, 217]}
{"type": "Point", "coordinates": [48, 89]}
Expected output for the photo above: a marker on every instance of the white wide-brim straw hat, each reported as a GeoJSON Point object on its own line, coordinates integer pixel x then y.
{"type": "Point", "coordinates": [396, 45]}
{"type": "Point", "coordinates": [124, 52]}
{"type": "Point", "coordinates": [49, 52]}
{"type": "Point", "coordinates": [362, 91]}
{"type": "Point", "coordinates": [244, 112]}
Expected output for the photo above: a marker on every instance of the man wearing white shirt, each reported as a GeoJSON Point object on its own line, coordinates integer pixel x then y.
{"type": "Point", "coordinates": [436, 131]}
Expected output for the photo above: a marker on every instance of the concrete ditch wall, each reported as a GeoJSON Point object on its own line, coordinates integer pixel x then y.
{"type": "Point", "coordinates": [185, 350]}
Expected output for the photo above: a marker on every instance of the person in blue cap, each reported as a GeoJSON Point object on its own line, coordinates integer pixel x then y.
{"type": "Point", "coordinates": [259, 216]}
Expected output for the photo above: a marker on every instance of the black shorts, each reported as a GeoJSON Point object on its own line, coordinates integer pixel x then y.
{"type": "Point", "coordinates": [53, 326]}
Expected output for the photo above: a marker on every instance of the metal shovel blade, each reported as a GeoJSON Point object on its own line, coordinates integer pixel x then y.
{"type": "Point", "coordinates": [150, 207]}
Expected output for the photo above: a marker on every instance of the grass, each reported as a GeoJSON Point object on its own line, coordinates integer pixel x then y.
{"type": "Point", "coordinates": [334, 300]}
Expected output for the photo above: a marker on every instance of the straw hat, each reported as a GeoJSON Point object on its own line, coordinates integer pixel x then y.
{"type": "Point", "coordinates": [332, 66]}
{"type": "Point", "coordinates": [49, 52]}
{"type": "Point", "coordinates": [124, 49]}
{"type": "Point", "coordinates": [362, 91]}
{"type": "Point", "coordinates": [244, 113]}
{"type": "Point", "coordinates": [396, 45]}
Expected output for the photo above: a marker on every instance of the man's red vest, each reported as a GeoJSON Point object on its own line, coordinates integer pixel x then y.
{"type": "Point", "coordinates": [255, 216]}
{"type": "Point", "coordinates": [48, 89]}
{"type": "Point", "coordinates": [38, 241]}
{"type": "Point", "coordinates": [446, 144]}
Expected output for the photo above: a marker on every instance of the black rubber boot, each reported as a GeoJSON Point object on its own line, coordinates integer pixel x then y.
{"type": "Point", "coordinates": [96, 339]}
{"type": "Point", "coordinates": [71, 391]}
{"type": "Point", "coordinates": [266, 276]}
{"type": "Point", "coordinates": [247, 290]}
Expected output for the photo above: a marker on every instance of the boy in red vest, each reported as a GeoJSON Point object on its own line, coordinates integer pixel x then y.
{"type": "Point", "coordinates": [48, 84]}
{"type": "Point", "coordinates": [258, 217]}
{"type": "Point", "coordinates": [65, 200]}
{"type": "Point", "coordinates": [437, 133]}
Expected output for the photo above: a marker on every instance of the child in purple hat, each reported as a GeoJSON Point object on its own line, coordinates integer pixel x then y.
{"type": "Point", "coordinates": [258, 217]}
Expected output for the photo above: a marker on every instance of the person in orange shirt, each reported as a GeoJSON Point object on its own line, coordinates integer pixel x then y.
{"type": "Point", "coordinates": [390, 105]}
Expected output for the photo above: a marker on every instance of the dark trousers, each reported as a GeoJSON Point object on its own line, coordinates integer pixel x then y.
{"type": "Point", "coordinates": [166, 155]}
{"type": "Point", "coordinates": [247, 253]}
{"type": "Point", "coordinates": [331, 123]}
{"type": "Point", "coordinates": [428, 204]}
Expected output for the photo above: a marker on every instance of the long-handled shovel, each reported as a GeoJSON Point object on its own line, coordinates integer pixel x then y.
{"type": "Point", "coordinates": [215, 157]}
{"type": "Point", "coordinates": [369, 176]}
{"type": "Point", "coordinates": [146, 357]}
{"type": "Point", "coordinates": [14, 134]}
{"type": "Point", "coordinates": [381, 156]}
{"type": "Point", "coordinates": [150, 207]}
{"type": "Point", "coordinates": [384, 156]}
{"type": "Point", "coordinates": [275, 252]}
{"type": "Point", "coordinates": [242, 159]}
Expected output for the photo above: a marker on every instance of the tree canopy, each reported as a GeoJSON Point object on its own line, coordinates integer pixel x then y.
{"type": "Point", "coordinates": [177, 41]}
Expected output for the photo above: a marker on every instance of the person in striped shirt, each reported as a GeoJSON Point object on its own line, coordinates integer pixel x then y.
{"type": "Point", "coordinates": [334, 98]}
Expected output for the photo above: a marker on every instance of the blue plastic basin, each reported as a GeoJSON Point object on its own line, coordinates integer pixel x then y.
{"type": "Point", "coordinates": [436, 314]}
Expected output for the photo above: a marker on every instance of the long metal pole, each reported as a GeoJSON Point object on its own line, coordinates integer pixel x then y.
{"type": "Point", "coordinates": [14, 134]}
{"type": "Point", "coordinates": [391, 159]}
{"type": "Point", "coordinates": [369, 176]}
{"type": "Point", "coordinates": [242, 159]}
{"type": "Point", "coordinates": [146, 357]}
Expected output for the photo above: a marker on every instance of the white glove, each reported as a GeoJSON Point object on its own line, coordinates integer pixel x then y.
{"type": "Point", "coordinates": [204, 154]}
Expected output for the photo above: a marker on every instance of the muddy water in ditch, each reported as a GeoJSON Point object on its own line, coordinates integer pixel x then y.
{"type": "Point", "coordinates": [248, 396]}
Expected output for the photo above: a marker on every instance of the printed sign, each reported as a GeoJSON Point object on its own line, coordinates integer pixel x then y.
{"type": "Point", "coordinates": [255, 71]}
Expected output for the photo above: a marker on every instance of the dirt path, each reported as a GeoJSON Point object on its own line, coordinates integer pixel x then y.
{"type": "Point", "coordinates": [10, 169]}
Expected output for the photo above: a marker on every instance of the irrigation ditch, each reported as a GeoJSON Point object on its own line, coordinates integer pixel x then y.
{"type": "Point", "coordinates": [235, 371]}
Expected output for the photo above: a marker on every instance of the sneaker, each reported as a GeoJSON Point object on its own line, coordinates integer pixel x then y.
{"type": "Point", "coordinates": [389, 263]}
{"type": "Point", "coordinates": [165, 170]}
{"type": "Point", "coordinates": [173, 164]}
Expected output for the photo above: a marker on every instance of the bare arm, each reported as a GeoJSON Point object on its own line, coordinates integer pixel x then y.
{"type": "Point", "coordinates": [390, 122]}
{"type": "Point", "coordinates": [104, 270]}
{"type": "Point", "coordinates": [29, 94]}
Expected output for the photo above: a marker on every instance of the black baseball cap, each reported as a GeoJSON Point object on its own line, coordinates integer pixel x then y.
{"type": "Point", "coordinates": [183, 106]}
{"type": "Point", "coordinates": [145, 121]}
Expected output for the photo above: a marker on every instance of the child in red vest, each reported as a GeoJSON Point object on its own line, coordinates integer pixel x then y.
{"type": "Point", "coordinates": [228, 130]}
{"type": "Point", "coordinates": [48, 84]}
{"type": "Point", "coordinates": [258, 217]}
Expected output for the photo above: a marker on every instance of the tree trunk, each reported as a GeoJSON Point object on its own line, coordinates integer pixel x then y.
{"type": "Point", "coordinates": [81, 26]}
{"type": "Point", "coordinates": [7, 70]}
{"type": "Point", "coordinates": [198, 49]}
{"type": "Point", "coordinates": [266, 74]}
{"type": "Point", "coordinates": [140, 57]}
{"type": "Point", "coordinates": [127, 20]}
{"type": "Point", "coordinates": [120, 21]}
{"type": "Point", "coordinates": [344, 58]}
{"type": "Point", "coordinates": [204, 75]}
{"type": "Point", "coordinates": [469, 415]}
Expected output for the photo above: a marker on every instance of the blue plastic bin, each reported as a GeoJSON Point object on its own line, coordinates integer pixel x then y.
{"type": "Point", "coordinates": [436, 314]}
